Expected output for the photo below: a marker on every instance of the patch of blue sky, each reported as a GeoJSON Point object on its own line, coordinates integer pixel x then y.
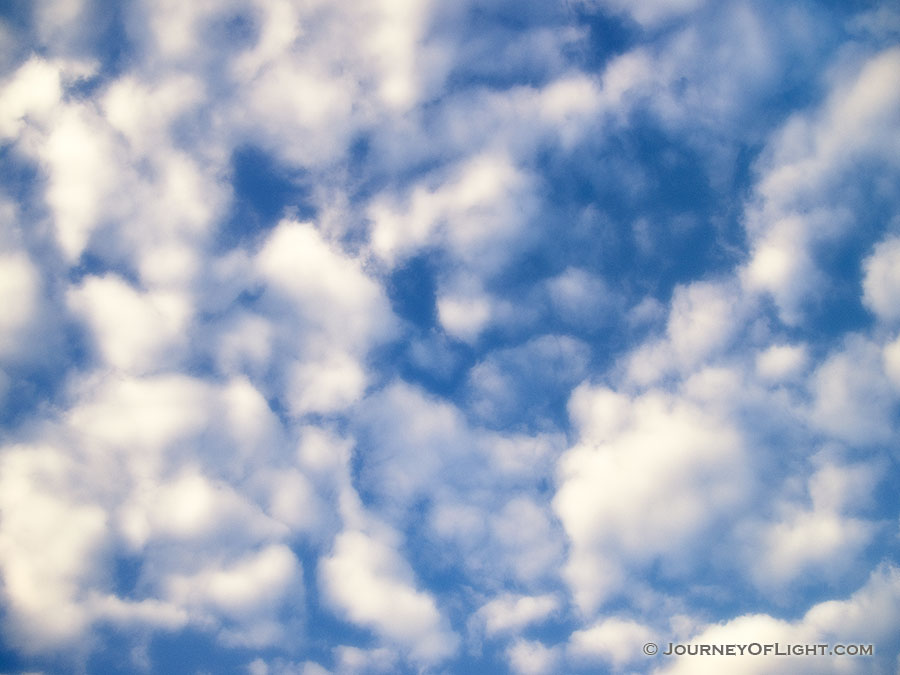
{"type": "Point", "coordinates": [264, 192]}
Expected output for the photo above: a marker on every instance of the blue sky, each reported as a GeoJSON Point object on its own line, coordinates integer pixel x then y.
{"type": "Point", "coordinates": [418, 337]}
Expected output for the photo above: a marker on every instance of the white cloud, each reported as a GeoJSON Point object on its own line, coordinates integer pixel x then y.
{"type": "Point", "coordinates": [881, 284]}
{"type": "Point", "coordinates": [139, 415]}
{"type": "Point", "coordinates": [647, 476]}
{"type": "Point", "coordinates": [510, 613]}
{"type": "Point", "coordinates": [464, 317]}
{"type": "Point", "coordinates": [795, 208]}
{"type": "Point", "coordinates": [528, 657]}
{"type": "Point", "coordinates": [245, 344]}
{"type": "Point", "coordinates": [50, 545]}
{"type": "Point", "coordinates": [190, 507]}
{"type": "Point", "coordinates": [853, 401]}
{"type": "Point", "coordinates": [243, 589]}
{"type": "Point", "coordinates": [704, 317]}
{"type": "Point", "coordinates": [327, 287]}
{"type": "Point", "coordinates": [352, 660]}
{"type": "Point", "coordinates": [20, 297]}
{"type": "Point", "coordinates": [781, 361]}
{"type": "Point", "coordinates": [448, 132]}
{"type": "Point", "coordinates": [85, 168]}
{"type": "Point", "coordinates": [65, 522]}
{"type": "Point", "coordinates": [818, 532]}
{"type": "Point", "coordinates": [648, 13]}
{"type": "Point", "coordinates": [891, 358]}
{"type": "Point", "coordinates": [29, 96]}
{"type": "Point", "coordinates": [368, 582]}
{"type": "Point", "coordinates": [144, 112]}
{"type": "Point", "coordinates": [324, 314]}
{"type": "Point", "coordinates": [328, 384]}
{"type": "Point", "coordinates": [134, 331]}
{"type": "Point", "coordinates": [475, 212]}
{"type": "Point", "coordinates": [869, 616]}
{"type": "Point", "coordinates": [613, 640]}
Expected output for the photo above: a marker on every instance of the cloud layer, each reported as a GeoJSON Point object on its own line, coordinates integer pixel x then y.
{"type": "Point", "coordinates": [369, 337]}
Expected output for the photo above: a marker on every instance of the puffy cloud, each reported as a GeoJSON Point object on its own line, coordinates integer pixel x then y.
{"type": "Point", "coordinates": [134, 331]}
{"type": "Point", "coordinates": [242, 590]}
{"type": "Point", "coordinates": [881, 285]}
{"type": "Point", "coordinates": [184, 513]}
{"type": "Point", "coordinates": [81, 159]}
{"type": "Point", "coordinates": [369, 583]}
{"type": "Point", "coordinates": [20, 296]}
{"type": "Point", "coordinates": [613, 640]}
{"type": "Point", "coordinates": [510, 613]}
{"type": "Point", "coordinates": [646, 478]}
{"type": "Point", "coordinates": [144, 113]}
{"type": "Point", "coordinates": [703, 318]}
{"type": "Point", "coordinates": [437, 445]}
{"type": "Point", "coordinates": [891, 357]}
{"type": "Point", "coordinates": [475, 212]}
{"type": "Point", "coordinates": [853, 401]}
{"type": "Point", "coordinates": [256, 401]}
{"type": "Point", "coordinates": [825, 538]}
{"type": "Point", "coordinates": [191, 508]}
{"type": "Point", "coordinates": [326, 286]}
{"type": "Point", "coordinates": [342, 311]}
{"type": "Point", "coordinates": [780, 362]}
{"type": "Point", "coordinates": [50, 546]}
{"type": "Point", "coordinates": [464, 317]}
{"type": "Point", "coordinates": [30, 94]}
{"type": "Point", "coordinates": [869, 616]}
{"type": "Point", "coordinates": [528, 657]}
{"type": "Point", "coordinates": [795, 210]}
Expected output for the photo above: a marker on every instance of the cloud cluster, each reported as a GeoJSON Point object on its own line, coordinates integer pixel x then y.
{"type": "Point", "coordinates": [366, 337]}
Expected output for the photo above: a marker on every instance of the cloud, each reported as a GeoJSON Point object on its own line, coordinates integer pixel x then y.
{"type": "Point", "coordinates": [614, 640]}
{"type": "Point", "coordinates": [30, 94]}
{"type": "Point", "coordinates": [703, 318]}
{"type": "Point", "coordinates": [825, 537]}
{"type": "Point", "coordinates": [371, 585]}
{"type": "Point", "coordinates": [50, 542]}
{"type": "Point", "coordinates": [512, 613]}
{"type": "Point", "coordinates": [342, 311]}
{"type": "Point", "coordinates": [20, 295]}
{"type": "Point", "coordinates": [648, 13]}
{"type": "Point", "coordinates": [564, 327]}
{"type": "Point", "coordinates": [881, 284]}
{"type": "Point", "coordinates": [794, 210]}
{"type": "Point", "coordinates": [248, 591]}
{"type": "Point", "coordinates": [504, 385]}
{"type": "Point", "coordinates": [853, 400]}
{"type": "Point", "coordinates": [208, 554]}
{"type": "Point", "coordinates": [780, 362]}
{"type": "Point", "coordinates": [646, 478]}
{"type": "Point", "coordinates": [869, 616]}
{"type": "Point", "coordinates": [529, 657]}
{"type": "Point", "coordinates": [474, 211]}
{"type": "Point", "coordinates": [134, 331]}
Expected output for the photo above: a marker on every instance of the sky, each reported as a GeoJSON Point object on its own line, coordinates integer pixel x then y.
{"type": "Point", "coordinates": [406, 336]}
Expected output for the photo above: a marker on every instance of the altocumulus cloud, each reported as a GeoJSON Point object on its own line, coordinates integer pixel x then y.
{"type": "Point", "coordinates": [376, 337]}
